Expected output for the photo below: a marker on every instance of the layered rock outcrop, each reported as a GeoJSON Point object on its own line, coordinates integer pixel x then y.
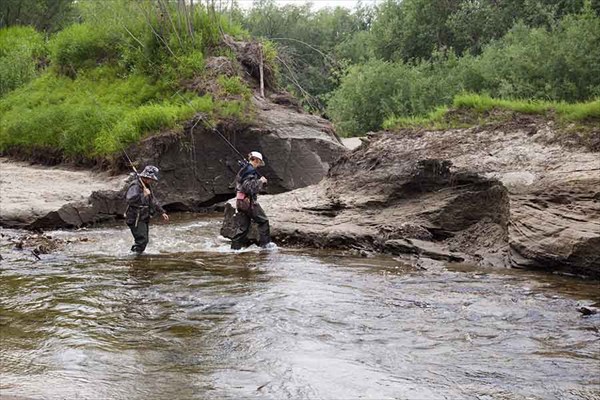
{"type": "Point", "coordinates": [198, 166]}
{"type": "Point", "coordinates": [501, 195]}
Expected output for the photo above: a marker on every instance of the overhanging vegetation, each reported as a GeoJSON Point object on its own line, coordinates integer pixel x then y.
{"type": "Point", "coordinates": [102, 84]}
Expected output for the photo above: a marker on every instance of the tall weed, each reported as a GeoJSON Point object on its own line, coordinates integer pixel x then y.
{"type": "Point", "coordinates": [22, 50]}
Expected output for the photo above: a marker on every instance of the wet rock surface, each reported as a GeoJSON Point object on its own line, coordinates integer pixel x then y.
{"type": "Point", "coordinates": [492, 195]}
{"type": "Point", "coordinates": [32, 245]}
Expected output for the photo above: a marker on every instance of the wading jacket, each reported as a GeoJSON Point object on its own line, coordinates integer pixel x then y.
{"type": "Point", "coordinates": [140, 207]}
{"type": "Point", "coordinates": [248, 182]}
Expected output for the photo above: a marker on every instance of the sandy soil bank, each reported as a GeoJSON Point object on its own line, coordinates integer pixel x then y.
{"type": "Point", "coordinates": [28, 192]}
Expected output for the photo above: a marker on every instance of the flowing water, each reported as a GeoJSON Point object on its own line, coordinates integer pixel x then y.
{"type": "Point", "coordinates": [194, 320]}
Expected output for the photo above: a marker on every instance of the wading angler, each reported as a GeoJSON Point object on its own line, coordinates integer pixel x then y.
{"type": "Point", "coordinates": [248, 183]}
{"type": "Point", "coordinates": [141, 206]}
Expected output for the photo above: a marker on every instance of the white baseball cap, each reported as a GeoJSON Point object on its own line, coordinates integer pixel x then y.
{"type": "Point", "coordinates": [256, 154]}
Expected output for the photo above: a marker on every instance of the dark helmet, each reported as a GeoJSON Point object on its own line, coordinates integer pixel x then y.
{"type": "Point", "coordinates": [150, 172]}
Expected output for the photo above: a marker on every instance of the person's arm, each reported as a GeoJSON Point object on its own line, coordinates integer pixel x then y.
{"type": "Point", "coordinates": [158, 208]}
{"type": "Point", "coordinates": [252, 186]}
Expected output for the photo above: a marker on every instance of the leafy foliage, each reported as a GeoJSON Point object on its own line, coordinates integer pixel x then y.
{"type": "Point", "coordinates": [414, 29]}
{"type": "Point", "coordinates": [557, 64]}
{"type": "Point", "coordinates": [22, 49]}
{"type": "Point", "coordinates": [44, 15]}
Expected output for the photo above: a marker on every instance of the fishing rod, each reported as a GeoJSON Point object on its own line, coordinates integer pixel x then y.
{"type": "Point", "coordinates": [137, 174]}
{"type": "Point", "coordinates": [214, 128]}
{"type": "Point", "coordinates": [120, 144]}
{"type": "Point", "coordinates": [241, 163]}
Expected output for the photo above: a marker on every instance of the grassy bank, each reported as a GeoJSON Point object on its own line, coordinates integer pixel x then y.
{"type": "Point", "coordinates": [472, 109]}
{"type": "Point", "coordinates": [98, 86]}
{"type": "Point", "coordinates": [98, 113]}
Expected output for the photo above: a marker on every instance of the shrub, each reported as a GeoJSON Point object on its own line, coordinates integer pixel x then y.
{"type": "Point", "coordinates": [372, 92]}
{"type": "Point", "coordinates": [234, 86]}
{"type": "Point", "coordinates": [83, 45]}
{"type": "Point", "coordinates": [528, 63]}
{"type": "Point", "coordinates": [21, 49]}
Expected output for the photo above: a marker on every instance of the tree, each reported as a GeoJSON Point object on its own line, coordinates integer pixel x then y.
{"type": "Point", "coordinates": [307, 42]}
{"type": "Point", "coordinates": [45, 15]}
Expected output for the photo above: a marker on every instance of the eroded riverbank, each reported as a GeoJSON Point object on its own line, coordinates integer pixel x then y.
{"type": "Point", "coordinates": [194, 320]}
{"type": "Point", "coordinates": [36, 196]}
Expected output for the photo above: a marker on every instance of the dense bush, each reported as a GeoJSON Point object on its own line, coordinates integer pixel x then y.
{"type": "Point", "coordinates": [559, 64]}
{"type": "Point", "coordinates": [374, 91]}
{"type": "Point", "coordinates": [44, 15]}
{"type": "Point", "coordinates": [22, 49]}
{"type": "Point", "coordinates": [83, 45]}
{"type": "Point", "coordinates": [413, 29]}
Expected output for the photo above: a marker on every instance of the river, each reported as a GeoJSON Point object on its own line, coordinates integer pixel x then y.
{"type": "Point", "coordinates": [193, 320]}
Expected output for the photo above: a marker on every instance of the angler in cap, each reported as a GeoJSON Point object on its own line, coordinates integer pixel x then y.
{"type": "Point", "coordinates": [141, 206]}
{"type": "Point", "coordinates": [248, 183]}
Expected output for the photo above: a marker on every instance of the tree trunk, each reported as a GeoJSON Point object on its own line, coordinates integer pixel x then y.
{"type": "Point", "coordinates": [262, 77]}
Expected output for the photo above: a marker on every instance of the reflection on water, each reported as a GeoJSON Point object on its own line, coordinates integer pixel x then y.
{"type": "Point", "coordinates": [192, 319]}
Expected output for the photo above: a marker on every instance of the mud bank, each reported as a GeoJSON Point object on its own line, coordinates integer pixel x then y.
{"type": "Point", "coordinates": [492, 195]}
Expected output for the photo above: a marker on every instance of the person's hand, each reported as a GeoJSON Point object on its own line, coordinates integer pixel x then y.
{"type": "Point", "coordinates": [146, 192]}
{"type": "Point", "coordinates": [165, 217]}
{"type": "Point", "coordinates": [263, 179]}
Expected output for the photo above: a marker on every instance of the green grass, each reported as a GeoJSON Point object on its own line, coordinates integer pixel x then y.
{"type": "Point", "coordinates": [98, 113]}
{"type": "Point", "coordinates": [112, 79]}
{"type": "Point", "coordinates": [21, 50]}
{"type": "Point", "coordinates": [234, 86]}
{"type": "Point", "coordinates": [434, 119]}
{"type": "Point", "coordinates": [94, 115]}
{"type": "Point", "coordinates": [481, 105]}
{"type": "Point", "coordinates": [564, 111]}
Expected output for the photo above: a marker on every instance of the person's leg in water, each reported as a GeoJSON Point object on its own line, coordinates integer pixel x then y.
{"type": "Point", "coordinates": [242, 222]}
{"type": "Point", "coordinates": [261, 219]}
{"type": "Point", "coordinates": [140, 235]}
